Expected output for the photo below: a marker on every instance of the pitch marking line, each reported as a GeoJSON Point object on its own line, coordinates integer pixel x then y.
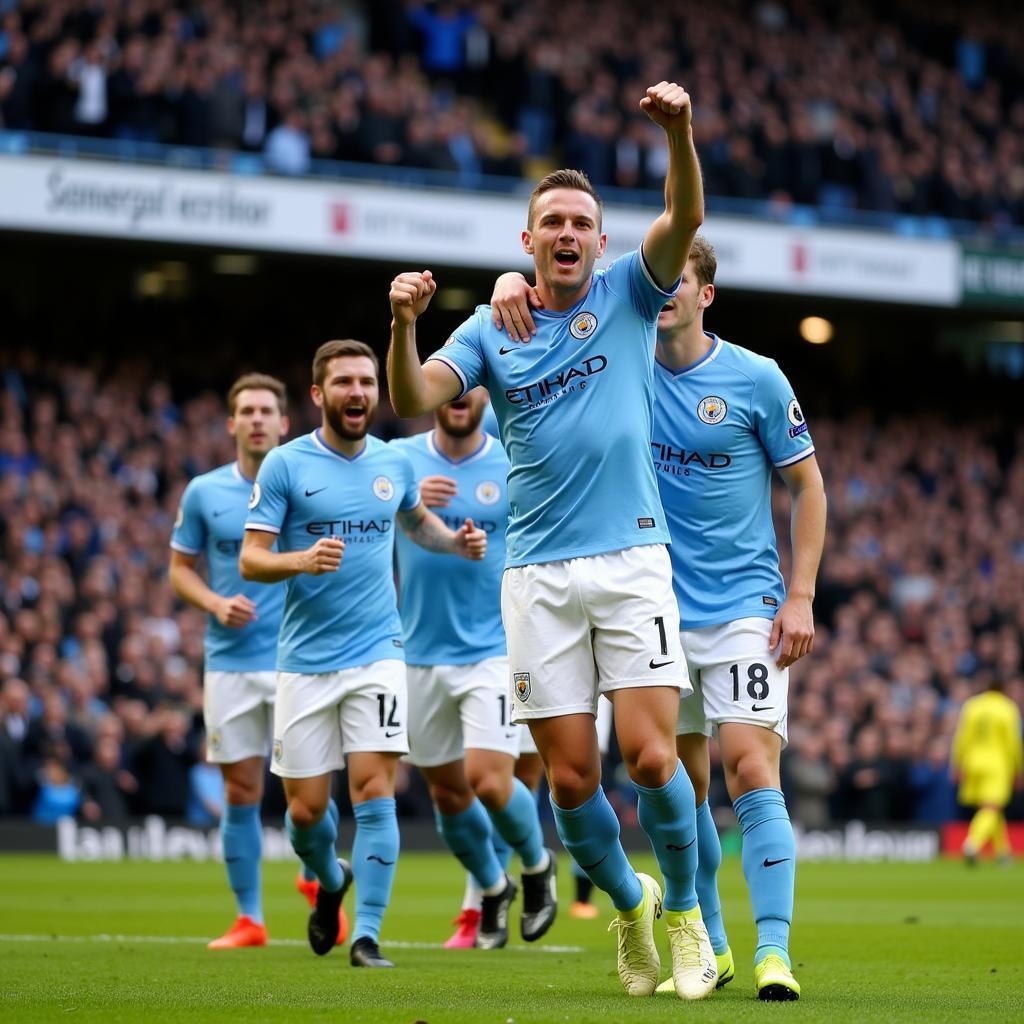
{"type": "Point", "coordinates": [192, 940]}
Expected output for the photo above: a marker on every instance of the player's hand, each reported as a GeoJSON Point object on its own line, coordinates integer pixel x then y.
{"type": "Point", "coordinates": [470, 542]}
{"type": "Point", "coordinates": [794, 627]}
{"type": "Point", "coordinates": [510, 306]}
{"type": "Point", "coordinates": [437, 491]}
{"type": "Point", "coordinates": [668, 106]}
{"type": "Point", "coordinates": [410, 295]}
{"type": "Point", "coordinates": [324, 556]}
{"type": "Point", "coordinates": [235, 612]}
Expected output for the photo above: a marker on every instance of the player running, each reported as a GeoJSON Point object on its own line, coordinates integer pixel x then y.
{"type": "Point", "coordinates": [987, 759]}
{"type": "Point", "coordinates": [241, 638]}
{"type": "Point", "coordinates": [460, 732]}
{"type": "Point", "coordinates": [723, 418]}
{"type": "Point", "coordinates": [330, 499]}
{"type": "Point", "coordinates": [587, 597]}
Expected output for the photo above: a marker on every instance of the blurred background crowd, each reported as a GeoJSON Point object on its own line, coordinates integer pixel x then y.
{"type": "Point", "coordinates": [919, 601]}
{"type": "Point", "coordinates": [907, 107]}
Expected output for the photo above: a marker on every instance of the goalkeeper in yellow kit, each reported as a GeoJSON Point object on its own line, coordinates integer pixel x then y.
{"type": "Point", "coordinates": [987, 759]}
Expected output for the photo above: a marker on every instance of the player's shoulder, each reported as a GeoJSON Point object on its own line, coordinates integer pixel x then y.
{"type": "Point", "coordinates": [410, 445]}
{"type": "Point", "coordinates": [387, 452]}
{"type": "Point", "coordinates": [752, 365]}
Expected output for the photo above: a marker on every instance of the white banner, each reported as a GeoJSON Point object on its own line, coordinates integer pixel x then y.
{"type": "Point", "coordinates": [429, 227]}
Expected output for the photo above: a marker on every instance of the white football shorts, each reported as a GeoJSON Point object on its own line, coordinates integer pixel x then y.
{"type": "Point", "coordinates": [319, 719]}
{"type": "Point", "coordinates": [585, 626]}
{"type": "Point", "coordinates": [452, 707]}
{"type": "Point", "coordinates": [735, 679]}
{"type": "Point", "coordinates": [238, 712]}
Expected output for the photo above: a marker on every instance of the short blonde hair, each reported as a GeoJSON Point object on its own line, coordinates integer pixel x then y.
{"type": "Point", "coordinates": [564, 178]}
{"type": "Point", "coordinates": [705, 263]}
{"type": "Point", "coordinates": [262, 382]}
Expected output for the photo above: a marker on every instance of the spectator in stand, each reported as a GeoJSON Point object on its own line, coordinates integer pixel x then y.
{"type": "Point", "coordinates": [162, 764]}
{"type": "Point", "coordinates": [107, 788]}
{"type": "Point", "coordinates": [58, 795]}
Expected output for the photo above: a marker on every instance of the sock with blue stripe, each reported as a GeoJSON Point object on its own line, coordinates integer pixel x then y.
{"type": "Point", "coordinates": [518, 823]}
{"type": "Point", "coordinates": [468, 836]}
{"type": "Point", "coordinates": [374, 856]}
{"type": "Point", "coordinates": [668, 815]}
{"type": "Point", "coordinates": [332, 809]}
{"type": "Point", "coordinates": [242, 835]}
{"type": "Point", "coordinates": [590, 833]}
{"type": "Point", "coordinates": [709, 859]}
{"type": "Point", "coordinates": [769, 865]}
{"type": "Point", "coordinates": [315, 847]}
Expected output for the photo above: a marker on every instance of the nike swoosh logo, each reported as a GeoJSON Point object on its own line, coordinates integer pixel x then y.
{"type": "Point", "coordinates": [670, 846]}
{"type": "Point", "coordinates": [659, 664]}
{"type": "Point", "coordinates": [505, 351]}
{"type": "Point", "coordinates": [597, 863]}
{"type": "Point", "coordinates": [388, 735]}
{"type": "Point", "coordinates": [309, 493]}
{"type": "Point", "coordinates": [766, 863]}
{"type": "Point", "coordinates": [509, 735]}
{"type": "Point", "coordinates": [381, 860]}
{"type": "Point", "coordinates": [222, 512]}
{"type": "Point", "coordinates": [762, 707]}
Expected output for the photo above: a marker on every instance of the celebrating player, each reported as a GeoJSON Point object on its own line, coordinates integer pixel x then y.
{"type": "Point", "coordinates": [460, 733]}
{"type": "Point", "coordinates": [330, 499]}
{"type": "Point", "coordinates": [987, 758]}
{"type": "Point", "coordinates": [587, 597]}
{"type": "Point", "coordinates": [241, 638]}
{"type": "Point", "coordinates": [723, 418]}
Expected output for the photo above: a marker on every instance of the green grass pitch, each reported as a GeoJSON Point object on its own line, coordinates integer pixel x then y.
{"type": "Point", "coordinates": [125, 942]}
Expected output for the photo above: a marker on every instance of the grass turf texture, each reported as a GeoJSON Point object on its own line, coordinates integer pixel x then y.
{"type": "Point", "coordinates": [874, 943]}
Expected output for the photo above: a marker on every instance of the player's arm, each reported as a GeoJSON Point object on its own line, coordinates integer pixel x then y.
{"type": "Point", "coordinates": [258, 563]}
{"type": "Point", "coordinates": [794, 623]}
{"type": "Point", "coordinates": [424, 528]}
{"type": "Point", "coordinates": [667, 242]}
{"type": "Point", "coordinates": [416, 388]}
{"type": "Point", "coordinates": [235, 611]}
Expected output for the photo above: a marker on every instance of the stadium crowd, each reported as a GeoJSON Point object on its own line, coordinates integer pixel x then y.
{"type": "Point", "coordinates": [907, 107]}
{"type": "Point", "coordinates": [919, 603]}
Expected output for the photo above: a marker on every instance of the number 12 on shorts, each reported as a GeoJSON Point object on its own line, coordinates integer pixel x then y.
{"type": "Point", "coordinates": [382, 707]}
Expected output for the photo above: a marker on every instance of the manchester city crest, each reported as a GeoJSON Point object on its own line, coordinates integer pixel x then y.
{"type": "Point", "coordinates": [384, 488]}
{"type": "Point", "coordinates": [487, 492]}
{"type": "Point", "coordinates": [277, 750]}
{"type": "Point", "coordinates": [521, 683]}
{"type": "Point", "coordinates": [712, 409]}
{"type": "Point", "coordinates": [583, 325]}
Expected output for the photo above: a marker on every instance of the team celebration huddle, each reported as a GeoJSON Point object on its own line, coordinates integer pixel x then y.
{"type": "Point", "coordinates": [586, 533]}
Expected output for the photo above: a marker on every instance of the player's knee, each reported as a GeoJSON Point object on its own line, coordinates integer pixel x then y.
{"type": "Point", "coordinates": [304, 814]}
{"type": "Point", "coordinates": [570, 785]}
{"type": "Point", "coordinates": [451, 801]}
{"type": "Point", "coordinates": [750, 771]}
{"type": "Point", "coordinates": [653, 764]}
{"type": "Point", "coordinates": [373, 787]}
{"type": "Point", "coordinates": [493, 788]}
{"type": "Point", "coordinates": [241, 794]}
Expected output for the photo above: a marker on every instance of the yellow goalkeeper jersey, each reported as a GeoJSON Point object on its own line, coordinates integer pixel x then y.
{"type": "Point", "coordinates": [987, 749]}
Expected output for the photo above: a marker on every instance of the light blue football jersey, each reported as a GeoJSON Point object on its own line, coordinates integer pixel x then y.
{"type": "Point", "coordinates": [211, 521]}
{"type": "Point", "coordinates": [489, 423]}
{"type": "Point", "coordinates": [720, 425]}
{"type": "Point", "coordinates": [450, 607]}
{"type": "Point", "coordinates": [306, 490]}
{"type": "Point", "coordinates": [574, 408]}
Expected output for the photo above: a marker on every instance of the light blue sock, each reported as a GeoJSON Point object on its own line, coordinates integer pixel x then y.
{"type": "Point", "coordinates": [468, 836]}
{"type": "Point", "coordinates": [374, 856]}
{"type": "Point", "coordinates": [668, 815]}
{"type": "Point", "coordinates": [315, 847]}
{"type": "Point", "coordinates": [332, 809]}
{"type": "Point", "coordinates": [519, 824]}
{"type": "Point", "coordinates": [709, 859]}
{"type": "Point", "coordinates": [501, 849]}
{"type": "Point", "coordinates": [769, 865]}
{"type": "Point", "coordinates": [590, 833]}
{"type": "Point", "coordinates": [242, 835]}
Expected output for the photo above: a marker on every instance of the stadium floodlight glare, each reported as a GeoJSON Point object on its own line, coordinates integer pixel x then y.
{"type": "Point", "coordinates": [816, 330]}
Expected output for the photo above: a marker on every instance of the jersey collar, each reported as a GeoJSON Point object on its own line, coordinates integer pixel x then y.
{"type": "Point", "coordinates": [324, 446]}
{"type": "Point", "coordinates": [708, 357]}
{"type": "Point", "coordinates": [236, 472]}
{"type": "Point", "coordinates": [484, 448]}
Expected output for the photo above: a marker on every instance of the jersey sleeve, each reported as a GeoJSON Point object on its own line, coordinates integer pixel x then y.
{"type": "Point", "coordinates": [411, 489]}
{"type": "Point", "coordinates": [778, 420]}
{"type": "Point", "coordinates": [189, 533]}
{"type": "Point", "coordinates": [630, 279]}
{"type": "Point", "coordinates": [463, 353]}
{"type": "Point", "coordinates": [268, 503]}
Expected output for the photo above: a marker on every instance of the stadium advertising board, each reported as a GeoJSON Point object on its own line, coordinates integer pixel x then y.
{"type": "Point", "coordinates": [992, 279]}
{"type": "Point", "coordinates": [440, 228]}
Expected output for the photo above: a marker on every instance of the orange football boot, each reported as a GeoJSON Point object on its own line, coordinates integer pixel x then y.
{"type": "Point", "coordinates": [244, 932]}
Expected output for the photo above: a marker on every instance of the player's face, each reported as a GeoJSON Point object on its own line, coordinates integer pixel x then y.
{"type": "Point", "coordinates": [565, 238]}
{"type": "Point", "coordinates": [348, 396]}
{"type": "Point", "coordinates": [690, 300]}
{"type": "Point", "coordinates": [462, 417]}
{"type": "Point", "coordinates": [257, 423]}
